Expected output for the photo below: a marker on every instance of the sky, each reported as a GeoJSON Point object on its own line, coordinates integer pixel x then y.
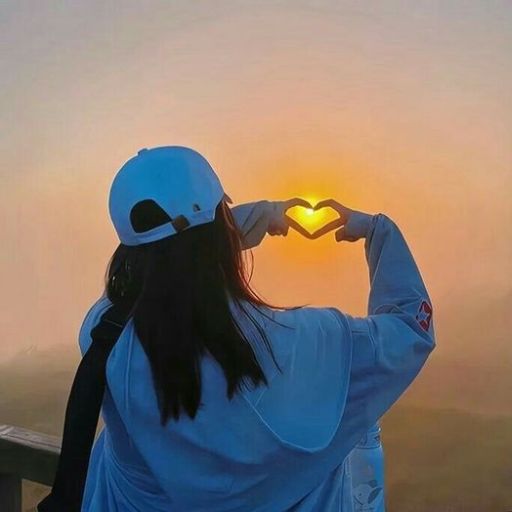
{"type": "Point", "coordinates": [402, 108]}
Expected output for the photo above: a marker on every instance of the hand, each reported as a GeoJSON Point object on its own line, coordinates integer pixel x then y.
{"type": "Point", "coordinates": [352, 223]}
{"type": "Point", "coordinates": [344, 216]}
{"type": "Point", "coordinates": [282, 225]}
{"type": "Point", "coordinates": [255, 220]}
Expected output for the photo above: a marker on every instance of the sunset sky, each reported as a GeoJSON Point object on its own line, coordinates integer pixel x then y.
{"type": "Point", "coordinates": [395, 107]}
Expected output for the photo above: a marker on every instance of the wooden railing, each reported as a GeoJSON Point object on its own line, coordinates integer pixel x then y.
{"type": "Point", "coordinates": [24, 454]}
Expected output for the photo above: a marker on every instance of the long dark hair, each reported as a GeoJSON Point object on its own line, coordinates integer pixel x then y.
{"type": "Point", "coordinates": [177, 290]}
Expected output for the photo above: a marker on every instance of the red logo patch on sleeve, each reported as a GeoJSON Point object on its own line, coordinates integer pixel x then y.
{"type": "Point", "coordinates": [424, 315]}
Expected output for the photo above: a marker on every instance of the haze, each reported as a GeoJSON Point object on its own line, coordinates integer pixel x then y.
{"type": "Point", "coordinates": [394, 107]}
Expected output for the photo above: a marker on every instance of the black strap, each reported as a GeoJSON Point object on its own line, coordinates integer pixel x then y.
{"type": "Point", "coordinates": [82, 412]}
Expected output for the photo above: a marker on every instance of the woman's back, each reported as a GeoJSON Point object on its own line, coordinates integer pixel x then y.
{"type": "Point", "coordinates": [232, 450]}
{"type": "Point", "coordinates": [271, 448]}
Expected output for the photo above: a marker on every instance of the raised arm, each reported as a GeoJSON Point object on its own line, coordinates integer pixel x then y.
{"type": "Point", "coordinates": [348, 371]}
{"type": "Point", "coordinates": [392, 343]}
{"type": "Point", "coordinates": [396, 284]}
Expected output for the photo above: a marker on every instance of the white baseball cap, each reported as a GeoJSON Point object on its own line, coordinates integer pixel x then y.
{"type": "Point", "coordinates": [177, 178]}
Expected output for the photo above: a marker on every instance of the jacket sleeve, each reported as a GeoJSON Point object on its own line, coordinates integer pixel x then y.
{"type": "Point", "coordinates": [392, 343]}
{"type": "Point", "coordinates": [252, 221]}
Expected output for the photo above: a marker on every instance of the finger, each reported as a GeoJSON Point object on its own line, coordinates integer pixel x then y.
{"type": "Point", "coordinates": [341, 236]}
{"type": "Point", "coordinates": [328, 227]}
{"type": "Point", "coordinates": [296, 201]}
{"type": "Point", "coordinates": [273, 230]}
{"type": "Point", "coordinates": [279, 227]}
{"type": "Point", "coordinates": [297, 227]}
{"type": "Point", "coordinates": [276, 231]}
{"type": "Point", "coordinates": [328, 202]}
{"type": "Point", "coordinates": [342, 211]}
{"type": "Point", "coordinates": [279, 224]}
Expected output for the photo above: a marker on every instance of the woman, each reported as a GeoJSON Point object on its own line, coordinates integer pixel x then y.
{"type": "Point", "coordinates": [217, 401]}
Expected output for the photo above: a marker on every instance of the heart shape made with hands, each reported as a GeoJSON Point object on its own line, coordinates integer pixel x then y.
{"type": "Point", "coordinates": [324, 219]}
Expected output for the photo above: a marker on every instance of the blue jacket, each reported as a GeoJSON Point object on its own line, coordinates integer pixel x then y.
{"type": "Point", "coordinates": [270, 449]}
